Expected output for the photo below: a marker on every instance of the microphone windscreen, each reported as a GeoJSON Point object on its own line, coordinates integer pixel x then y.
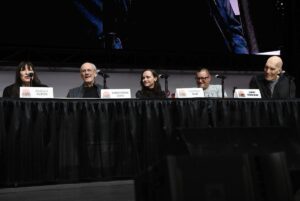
{"type": "Point", "coordinates": [30, 74]}
{"type": "Point", "coordinates": [220, 76]}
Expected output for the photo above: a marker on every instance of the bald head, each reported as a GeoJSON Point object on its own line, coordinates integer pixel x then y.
{"type": "Point", "coordinates": [275, 61]}
{"type": "Point", "coordinates": [90, 65]}
{"type": "Point", "coordinates": [273, 68]}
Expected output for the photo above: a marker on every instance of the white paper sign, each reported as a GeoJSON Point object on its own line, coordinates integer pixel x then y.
{"type": "Point", "coordinates": [247, 93]}
{"type": "Point", "coordinates": [36, 92]}
{"type": "Point", "coordinates": [115, 93]}
{"type": "Point", "coordinates": [189, 93]}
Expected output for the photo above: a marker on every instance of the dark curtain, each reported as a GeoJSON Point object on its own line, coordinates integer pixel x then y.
{"type": "Point", "coordinates": [53, 141]}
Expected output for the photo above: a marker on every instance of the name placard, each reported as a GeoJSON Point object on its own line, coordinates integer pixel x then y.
{"type": "Point", "coordinates": [115, 93]}
{"type": "Point", "coordinates": [36, 92]}
{"type": "Point", "coordinates": [247, 93]}
{"type": "Point", "coordinates": [189, 93]}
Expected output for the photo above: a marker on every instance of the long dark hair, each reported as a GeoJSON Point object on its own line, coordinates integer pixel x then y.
{"type": "Point", "coordinates": [22, 65]}
{"type": "Point", "coordinates": [154, 92]}
{"type": "Point", "coordinates": [157, 87]}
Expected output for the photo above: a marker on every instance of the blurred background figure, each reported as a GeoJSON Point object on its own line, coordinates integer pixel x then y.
{"type": "Point", "coordinates": [105, 20]}
{"type": "Point", "coordinates": [145, 25]}
{"type": "Point", "coordinates": [264, 25]}
{"type": "Point", "coordinates": [175, 25]}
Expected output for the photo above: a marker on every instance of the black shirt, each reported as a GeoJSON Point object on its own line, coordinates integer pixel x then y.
{"type": "Point", "coordinates": [150, 94]}
{"type": "Point", "coordinates": [90, 92]}
{"type": "Point", "coordinates": [13, 90]}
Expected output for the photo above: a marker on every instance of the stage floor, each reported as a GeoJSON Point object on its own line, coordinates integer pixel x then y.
{"type": "Point", "coordinates": [107, 190]}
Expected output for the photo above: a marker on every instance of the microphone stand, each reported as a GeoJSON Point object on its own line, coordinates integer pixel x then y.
{"type": "Point", "coordinates": [222, 83]}
{"type": "Point", "coordinates": [167, 92]}
{"type": "Point", "coordinates": [105, 76]}
{"type": "Point", "coordinates": [233, 91]}
{"type": "Point", "coordinates": [31, 80]}
{"type": "Point", "coordinates": [166, 76]}
{"type": "Point", "coordinates": [222, 77]}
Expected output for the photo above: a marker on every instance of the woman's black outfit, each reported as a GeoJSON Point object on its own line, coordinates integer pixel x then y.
{"type": "Point", "coordinates": [13, 90]}
{"type": "Point", "coordinates": [150, 93]}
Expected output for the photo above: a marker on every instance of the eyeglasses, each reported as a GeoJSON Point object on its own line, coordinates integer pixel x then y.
{"type": "Point", "coordinates": [202, 78]}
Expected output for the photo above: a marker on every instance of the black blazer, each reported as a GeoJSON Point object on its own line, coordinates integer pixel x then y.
{"type": "Point", "coordinates": [150, 94]}
{"type": "Point", "coordinates": [284, 88]}
{"type": "Point", "coordinates": [13, 90]}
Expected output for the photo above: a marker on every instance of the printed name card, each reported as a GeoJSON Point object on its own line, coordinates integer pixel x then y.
{"type": "Point", "coordinates": [247, 93]}
{"type": "Point", "coordinates": [36, 92]}
{"type": "Point", "coordinates": [189, 93]}
{"type": "Point", "coordinates": [115, 93]}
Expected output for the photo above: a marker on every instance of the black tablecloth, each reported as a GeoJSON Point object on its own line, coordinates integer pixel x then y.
{"type": "Point", "coordinates": [65, 140]}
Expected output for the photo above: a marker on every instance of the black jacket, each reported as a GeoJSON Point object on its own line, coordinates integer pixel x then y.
{"type": "Point", "coordinates": [150, 94]}
{"type": "Point", "coordinates": [13, 90]}
{"type": "Point", "coordinates": [284, 88]}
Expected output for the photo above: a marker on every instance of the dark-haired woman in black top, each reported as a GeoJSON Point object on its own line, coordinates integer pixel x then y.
{"type": "Point", "coordinates": [26, 76]}
{"type": "Point", "coordinates": [150, 85]}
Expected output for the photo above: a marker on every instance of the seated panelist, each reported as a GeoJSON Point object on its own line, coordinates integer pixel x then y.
{"type": "Point", "coordinates": [150, 86]}
{"type": "Point", "coordinates": [203, 79]}
{"type": "Point", "coordinates": [25, 76]}
{"type": "Point", "coordinates": [273, 83]}
{"type": "Point", "coordinates": [89, 87]}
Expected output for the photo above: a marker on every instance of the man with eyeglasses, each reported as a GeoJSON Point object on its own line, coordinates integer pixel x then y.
{"type": "Point", "coordinates": [203, 79]}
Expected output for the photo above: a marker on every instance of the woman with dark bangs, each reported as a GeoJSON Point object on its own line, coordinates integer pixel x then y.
{"type": "Point", "coordinates": [26, 76]}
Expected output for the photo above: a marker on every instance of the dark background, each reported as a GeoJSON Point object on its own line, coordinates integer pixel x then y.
{"type": "Point", "coordinates": [54, 33]}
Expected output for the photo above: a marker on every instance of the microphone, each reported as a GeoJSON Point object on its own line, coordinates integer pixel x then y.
{"type": "Point", "coordinates": [233, 91]}
{"type": "Point", "coordinates": [220, 76]}
{"type": "Point", "coordinates": [282, 72]}
{"type": "Point", "coordinates": [104, 75]}
{"type": "Point", "coordinates": [163, 76]}
{"type": "Point", "coordinates": [30, 74]}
